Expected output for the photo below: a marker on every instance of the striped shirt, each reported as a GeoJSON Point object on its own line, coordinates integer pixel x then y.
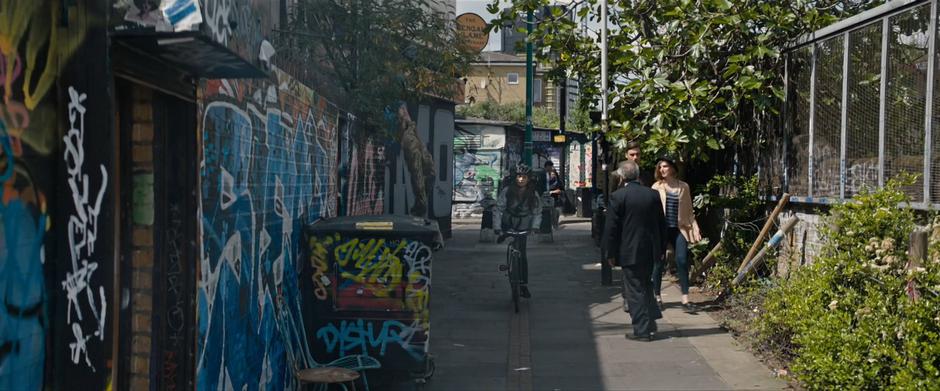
{"type": "Point", "coordinates": [672, 209]}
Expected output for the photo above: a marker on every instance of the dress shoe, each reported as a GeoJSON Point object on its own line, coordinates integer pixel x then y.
{"type": "Point", "coordinates": [689, 307]}
{"type": "Point", "coordinates": [524, 292]}
{"type": "Point", "coordinates": [643, 338]}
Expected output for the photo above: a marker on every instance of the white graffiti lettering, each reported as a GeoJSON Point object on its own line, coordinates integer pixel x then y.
{"type": "Point", "coordinates": [80, 345]}
{"type": "Point", "coordinates": [218, 14]}
{"type": "Point", "coordinates": [82, 233]}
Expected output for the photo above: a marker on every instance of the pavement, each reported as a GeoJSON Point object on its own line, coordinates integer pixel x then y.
{"type": "Point", "coordinates": [570, 334]}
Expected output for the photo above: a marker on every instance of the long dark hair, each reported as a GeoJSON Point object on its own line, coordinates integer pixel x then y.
{"type": "Point", "coordinates": [515, 192]}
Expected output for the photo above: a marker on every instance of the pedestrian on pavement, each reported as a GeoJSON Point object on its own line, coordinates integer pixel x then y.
{"type": "Point", "coordinates": [682, 229]}
{"type": "Point", "coordinates": [634, 153]}
{"type": "Point", "coordinates": [635, 239]}
{"type": "Point", "coordinates": [554, 187]}
{"type": "Point", "coordinates": [518, 208]}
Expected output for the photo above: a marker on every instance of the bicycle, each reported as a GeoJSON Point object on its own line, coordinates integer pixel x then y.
{"type": "Point", "coordinates": [513, 263]}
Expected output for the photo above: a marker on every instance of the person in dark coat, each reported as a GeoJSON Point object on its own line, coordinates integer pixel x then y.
{"type": "Point", "coordinates": [635, 238]}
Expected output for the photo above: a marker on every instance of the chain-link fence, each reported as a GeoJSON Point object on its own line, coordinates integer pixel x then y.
{"type": "Point", "coordinates": [861, 108]}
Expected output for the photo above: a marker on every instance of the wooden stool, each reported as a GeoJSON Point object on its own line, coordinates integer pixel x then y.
{"type": "Point", "coordinates": [328, 375]}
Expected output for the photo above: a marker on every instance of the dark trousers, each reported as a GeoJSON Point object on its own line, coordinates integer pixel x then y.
{"type": "Point", "coordinates": [681, 247]}
{"type": "Point", "coordinates": [524, 262]}
{"type": "Point", "coordinates": [638, 294]}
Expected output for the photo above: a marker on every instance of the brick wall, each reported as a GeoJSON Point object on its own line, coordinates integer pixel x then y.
{"type": "Point", "coordinates": [143, 238]}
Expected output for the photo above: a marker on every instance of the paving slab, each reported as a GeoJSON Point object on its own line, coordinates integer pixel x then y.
{"type": "Point", "coordinates": [570, 334]}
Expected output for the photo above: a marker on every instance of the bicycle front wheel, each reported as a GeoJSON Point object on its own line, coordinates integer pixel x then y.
{"type": "Point", "coordinates": [513, 258]}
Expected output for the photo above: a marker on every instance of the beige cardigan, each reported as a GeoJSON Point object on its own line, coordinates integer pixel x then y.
{"type": "Point", "coordinates": [687, 224]}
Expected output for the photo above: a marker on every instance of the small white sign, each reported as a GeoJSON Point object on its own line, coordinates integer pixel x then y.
{"type": "Point", "coordinates": [183, 15]}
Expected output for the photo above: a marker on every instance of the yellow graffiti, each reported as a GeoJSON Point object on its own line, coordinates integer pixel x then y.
{"type": "Point", "coordinates": [26, 27]}
{"type": "Point", "coordinates": [318, 260]}
{"type": "Point", "coordinates": [381, 273]}
{"type": "Point", "coordinates": [27, 16]}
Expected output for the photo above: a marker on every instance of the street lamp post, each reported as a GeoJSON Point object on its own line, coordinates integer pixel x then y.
{"type": "Point", "coordinates": [529, 89]}
{"type": "Point", "coordinates": [604, 66]}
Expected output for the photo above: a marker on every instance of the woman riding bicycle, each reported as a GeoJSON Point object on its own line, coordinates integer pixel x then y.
{"type": "Point", "coordinates": [519, 209]}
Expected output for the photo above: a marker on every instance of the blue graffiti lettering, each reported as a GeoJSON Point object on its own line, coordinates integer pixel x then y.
{"type": "Point", "coordinates": [359, 336]}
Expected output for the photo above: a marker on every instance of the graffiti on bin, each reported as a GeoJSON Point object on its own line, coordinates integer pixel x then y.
{"type": "Point", "coordinates": [372, 337]}
{"type": "Point", "coordinates": [380, 267]}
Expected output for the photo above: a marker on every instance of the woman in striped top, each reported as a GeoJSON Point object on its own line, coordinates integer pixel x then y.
{"type": "Point", "coordinates": [682, 227]}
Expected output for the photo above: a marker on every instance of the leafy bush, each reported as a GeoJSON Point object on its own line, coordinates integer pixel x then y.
{"type": "Point", "coordinates": [849, 320]}
{"type": "Point", "coordinates": [745, 212]}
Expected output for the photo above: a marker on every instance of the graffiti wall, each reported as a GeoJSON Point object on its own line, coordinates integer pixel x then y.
{"type": "Point", "coordinates": [56, 260]}
{"type": "Point", "coordinates": [546, 152]}
{"type": "Point", "coordinates": [579, 164]}
{"type": "Point", "coordinates": [362, 172]}
{"type": "Point", "coordinates": [269, 167]}
{"type": "Point", "coordinates": [479, 165]}
{"type": "Point", "coordinates": [371, 300]}
{"type": "Point", "coordinates": [421, 154]}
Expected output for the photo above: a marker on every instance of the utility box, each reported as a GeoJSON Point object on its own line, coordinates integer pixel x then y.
{"type": "Point", "coordinates": [367, 288]}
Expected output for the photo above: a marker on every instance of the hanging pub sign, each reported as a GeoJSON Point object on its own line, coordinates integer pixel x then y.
{"type": "Point", "coordinates": [471, 30]}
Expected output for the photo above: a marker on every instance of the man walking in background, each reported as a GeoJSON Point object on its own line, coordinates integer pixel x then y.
{"type": "Point", "coordinates": [635, 238]}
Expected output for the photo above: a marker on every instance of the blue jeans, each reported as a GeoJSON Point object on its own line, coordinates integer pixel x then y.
{"type": "Point", "coordinates": [681, 247]}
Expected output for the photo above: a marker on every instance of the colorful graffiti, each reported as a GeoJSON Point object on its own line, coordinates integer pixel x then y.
{"type": "Point", "coordinates": [579, 164]}
{"type": "Point", "coordinates": [30, 62]}
{"type": "Point", "coordinates": [366, 179]}
{"type": "Point", "coordinates": [478, 163]}
{"type": "Point", "coordinates": [354, 276]}
{"type": "Point", "coordinates": [269, 168]}
{"type": "Point", "coordinates": [418, 156]}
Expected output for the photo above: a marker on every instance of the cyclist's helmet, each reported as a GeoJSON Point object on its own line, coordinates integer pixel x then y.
{"type": "Point", "coordinates": [522, 169]}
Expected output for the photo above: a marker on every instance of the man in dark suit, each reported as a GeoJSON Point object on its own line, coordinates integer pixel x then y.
{"type": "Point", "coordinates": [635, 238]}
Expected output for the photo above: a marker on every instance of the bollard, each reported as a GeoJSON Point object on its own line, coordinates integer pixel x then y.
{"type": "Point", "coordinates": [544, 233]}
{"type": "Point", "coordinates": [486, 224]}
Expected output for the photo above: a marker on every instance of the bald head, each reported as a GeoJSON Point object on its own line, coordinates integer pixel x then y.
{"type": "Point", "coordinates": [628, 170]}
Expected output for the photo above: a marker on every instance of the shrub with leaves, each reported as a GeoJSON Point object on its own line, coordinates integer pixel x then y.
{"type": "Point", "coordinates": [745, 211]}
{"type": "Point", "coordinates": [860, 316]}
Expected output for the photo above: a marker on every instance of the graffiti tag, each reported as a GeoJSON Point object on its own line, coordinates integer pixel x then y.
{"type": "Point", "coordinates": [82, 234]}
{"type": "Point", "coordinates": [363, 337]}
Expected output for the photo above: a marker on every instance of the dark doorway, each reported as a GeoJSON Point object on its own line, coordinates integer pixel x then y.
{"type": "Point", "coordinates": [174, 266]}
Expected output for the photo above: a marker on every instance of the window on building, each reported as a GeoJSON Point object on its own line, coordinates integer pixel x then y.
{"type": "Point", "coordinates": [537, 91]}
{"type": "Point", "coordinates": [512, 78]}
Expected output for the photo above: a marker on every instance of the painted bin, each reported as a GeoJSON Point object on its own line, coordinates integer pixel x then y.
{"type": "Point", "coordinates": [367, 289]}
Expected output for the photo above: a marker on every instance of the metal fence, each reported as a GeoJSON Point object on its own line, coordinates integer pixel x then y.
{"type": "Point", "coordinates": [860, 107]}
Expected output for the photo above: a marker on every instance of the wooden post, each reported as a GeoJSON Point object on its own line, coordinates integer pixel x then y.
{"type": "Point", "coordinates": [763, 232]}
{"type": "Point", "coordinates": [707, 262]}
{"type": "Point", "coordinates": [918, 250]}
{"type": "Point", "coordinates": [917, 254]}
{"type": "Point", "coordinates": [771, 244]}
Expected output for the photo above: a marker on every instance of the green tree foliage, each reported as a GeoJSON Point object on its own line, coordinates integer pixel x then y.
{"type": "Point", "coordinates": [542, 117]}
{"type": "Point", "coordinates": [860, 316]}
{"type": "Point", "coordinates": [688, 76]}
{"type": "Point", "coordinates": [378, 52]}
